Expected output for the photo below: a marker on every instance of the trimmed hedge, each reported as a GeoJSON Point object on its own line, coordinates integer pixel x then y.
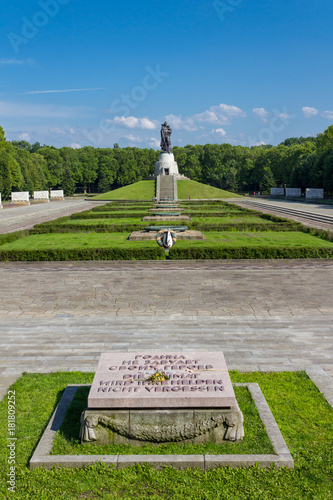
{"type": "Point", "coordinates": [110, 228]}
{"type": "Point", "coordinates": [205, 202]}
{"type": "Point", "coordinates": [250, 253]}
{"type": "Point", "coordinates": [158, 253]}
{"type": "Point", "coordinates": [321, 233]}
{"type": "Point", "coordinates": [251, 226]}
{"type": "Point", "coordinates": [121, 209]}
{"type": "Point", "coordinates": [153, 253]}
{"type": "Point", "coordinates": [221, 214]}
{"type": "Point", "coordinates": [79, 228]}
{"type": "Point", "coordinates": [10, 237]}
{"type": "Point", "coordinates": [113, 215]}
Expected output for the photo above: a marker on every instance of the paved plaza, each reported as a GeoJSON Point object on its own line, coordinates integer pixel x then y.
{"type": "Point", "coordinates": [269, 315]}
{"type": "Point", "coordinates": [15, 218]}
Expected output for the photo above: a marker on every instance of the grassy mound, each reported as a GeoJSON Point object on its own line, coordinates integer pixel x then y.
{"type": "Point", "coordinates": [142, 190]}
{"type": "Point", "coordinates": [199, 191]}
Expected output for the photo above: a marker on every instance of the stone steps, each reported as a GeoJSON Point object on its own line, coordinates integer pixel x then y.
{"type": "Point", "coordinates": [167, 187]}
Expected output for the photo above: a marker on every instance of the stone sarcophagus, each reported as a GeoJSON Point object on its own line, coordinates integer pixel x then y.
{"type": "Point", "coordinates": [161, 397]}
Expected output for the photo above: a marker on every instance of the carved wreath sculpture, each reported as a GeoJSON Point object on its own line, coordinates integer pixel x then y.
{"type": "Point", "coordinates": [162, 433]}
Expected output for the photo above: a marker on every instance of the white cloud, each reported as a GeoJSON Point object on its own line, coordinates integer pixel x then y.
{"type": "Point", "coordinates": [154, 143]}
{"type": "Point", "coordinates": [327, 114]}
{"type": "Point", "coordinates": [178, 123]}
{"type": "Point", "coordinates": [13, 61]}
{"type": "Point", "coordinates": [24, 137]}
{"type": "Point", "coordinates": [19, 110]}
{"type": "Point", "coordinates": [133, 122]}
{"type": "Point", "coordinates": [220, 131]}
{"type": "Point", "coordinates": [133, 138]}
{"type": "Point", "coordinates": [56, 130]}
{"type": "Point", "coordinates": [262, 113]}
{"type": "Point", "coordinates": [220, 114]}
{"type": "Point", "coordinates": [284, 116]}
{"type": "Point", "coordinates": [309, 112]}
{"type": "Point", "coordinates": [61, 90]}
{"type": "Point", "coordinates": [74, 145]}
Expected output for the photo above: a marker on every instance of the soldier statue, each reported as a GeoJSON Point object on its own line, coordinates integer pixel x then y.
{"type": "Point", "coordinates": [165, 138]}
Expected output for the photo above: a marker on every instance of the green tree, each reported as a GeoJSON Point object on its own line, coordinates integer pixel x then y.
{"type": "Point", "coordinates": [54, 164]}
{"type": "Point", "coordinates": [89, 166]}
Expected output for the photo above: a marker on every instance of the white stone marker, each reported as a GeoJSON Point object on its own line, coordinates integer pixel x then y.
{"type": "Point", "coordinates": [293, 192]}
{"type": "Point", "coordinates": [277, 192]}
{"type": "Point", "coordinates": [20, 197]}
{"type": "Point", "coordinates": [57, 195]}
{"type": "Point", "coordinates": [314, 194]}
{"type": "Point", "coordinates": [196, 379]}
{"type": "Point", "coordinates": [41, 196]}
{"type": "Point", "coordinates": [0, 202]}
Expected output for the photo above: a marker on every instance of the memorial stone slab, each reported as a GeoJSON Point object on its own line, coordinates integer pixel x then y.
{"type": "Point", "coordinates": [314, 194]}
{"type": "Point", "coordinates": [192, 401]}
{"type": "Point", "coordinates": [277, 192]}
{"type": "Point", "coordinates": [20, 197]}
{"type": "Point", "coordinates": [198, 380]}
{"type": "Point", "coordinates": [293, 192]}
{"type": "Point", "coordinates": [57, 194]}
{"type": "Point", "coordinates": [41, 195]}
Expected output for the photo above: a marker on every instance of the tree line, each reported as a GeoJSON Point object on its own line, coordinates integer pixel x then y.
{"type": "Point", "coordinates": [297, 162]}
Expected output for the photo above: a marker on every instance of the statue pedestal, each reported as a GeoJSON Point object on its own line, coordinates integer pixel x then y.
{"type": "Point", "coordinates": [166, 165]}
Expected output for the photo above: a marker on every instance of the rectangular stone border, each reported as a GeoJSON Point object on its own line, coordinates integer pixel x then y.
{"type": "Point", "coordinates": [282, 457]}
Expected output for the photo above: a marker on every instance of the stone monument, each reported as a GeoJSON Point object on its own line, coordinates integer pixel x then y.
{"type": "Point", "coordinates": [166, 164]}
{"type": "Point", "coordinates": [139, 398]}
{"type": "Point", "coordinates": [57, 194]}
{"type": "Point", "coordinates": [21, 197]}
{"type": "Point", "coordinates": [42, 196]}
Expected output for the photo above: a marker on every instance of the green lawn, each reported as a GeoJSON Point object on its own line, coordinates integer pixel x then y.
{"type": "Point", "coordinates": [142, 190]}
{"type": "Point", "coordinates": [114, 221]}
{"type": "Point", "coordinates": [248, 219]}
{"type": "Point", "coordinates": [257, 239]}
{"type": "Point", "coordinates": [304, 418]}
{"type": "Point", "coordinates": [67, 441]}
{"type": "Point", "coordinates": [197, 190]}
{"type": "Point", "coordinates": [230, 219]}
{"type": "Point", "coordinates": [67, 241]}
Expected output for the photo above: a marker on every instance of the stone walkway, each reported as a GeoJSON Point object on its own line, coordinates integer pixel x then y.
{"type": "Point", "coordinates": [264, 315]}
{"type": "Point", "coordinates": [24, 217]}
{"type": "Point", "coordinates": [257, 203]}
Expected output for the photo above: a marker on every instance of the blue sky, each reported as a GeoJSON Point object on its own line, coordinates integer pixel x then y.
{"type": "Point", "coordinates": [77, 73]}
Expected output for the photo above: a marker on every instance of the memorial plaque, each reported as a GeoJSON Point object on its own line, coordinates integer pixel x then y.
{"type": "Point", "coordinates": [277, 191]}
{"type": "Point", "coordinates": [293, 192]}
{"type": "Point", "coordinates": [193, 380]}
{"type": "Point", "coordinates": [314, 194]}
{"type": "Point", "coordinates": [57, 194]}
{"type": "Point", "coordinates": [20, 197]}
{"type": "Point", "coordinates": [41, 195]}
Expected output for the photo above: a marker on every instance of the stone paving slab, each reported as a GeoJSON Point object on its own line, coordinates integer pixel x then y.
{"type": "Point", "coordinates": [25, 217]}
{"type": "Point", "coordinates": [272, 315]}
{"type": "Point", "coordinates": [307, 208]}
